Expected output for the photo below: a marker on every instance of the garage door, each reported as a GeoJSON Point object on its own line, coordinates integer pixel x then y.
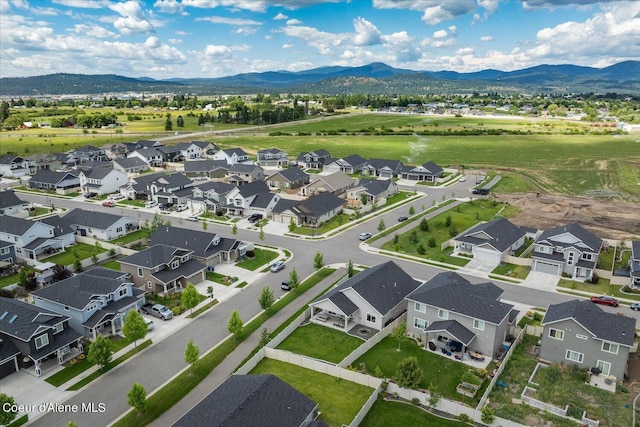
{"type": "Point", "coordinates": [8, 368]}
{"type": "Point", "coordinates": [486, 255]}
{"type": "Point", "coordinates": [545, 267]}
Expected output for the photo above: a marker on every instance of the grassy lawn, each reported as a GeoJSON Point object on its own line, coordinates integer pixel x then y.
{"type": "Point", "coordinates": [262, 257]}
{"type": "Point", "coordinates": [131, 237]}
{"type": "Point", "coordinates": [114, 265]}
{"type": "Point", "coordinates": [220, 278]}
{"type": "Point", "coordinates": [559, 385]}
{"type": "Point", "coordinates": [605, 259]}
{"type": "Point", "coordinates": [443, 372]}
{"type": "Point", "coordinates": [527, 245]}
{"type": "Point", "coordinates": [171, 301]}
{"type": "Point", "coordinates": [202, 309]}
{"type": "Point", "coordinates": [603, 287]}
{"type": "Point", "coordinates": [622, 258]}
{"type": "Point", "coordinates": [388, 413]}
{"type": "Point", "coordinates": [135, 203]}
{"type": "Point", "coordinates": [320, 342]}
{"type": "Point", "coordinates": [462, 216]}
{"type": "Point", "coordinates": [512, 270]}
{"type": "Point", "coordinates": [514, 183]}
{"type": "Point", "coordinates": [83, 250]}
{"type": "Point", "coordinates": [329, 392]}
{"type": "Point", "coordinates": [39, 211]}
{"type": "Point", "coordinates": [9, 280]}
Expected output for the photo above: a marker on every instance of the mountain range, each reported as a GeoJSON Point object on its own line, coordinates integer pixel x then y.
{"type": "Point", "coordinates": [374, 79]}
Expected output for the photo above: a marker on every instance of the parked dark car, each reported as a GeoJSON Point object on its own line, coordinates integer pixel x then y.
{"type": "Point", "coordinates": [166, 206]}
{"type": "Point", "coordinates": [254, 218]}
{"type": "Point", "coordinates": [481, 191]}
{"type": "Point", "coordinates": [285, 286]}
{"type": "Point", "coordinates": [402, 218]}
{"type": "Point", "coordinates": [635, 306]}
{"type": "Point", "coordinates": [605, 300]}
{"type": "Point", "coordinates": [90, 195]}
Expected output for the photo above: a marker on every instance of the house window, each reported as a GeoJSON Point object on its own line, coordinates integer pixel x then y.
{"type": "Point", "coordinates": [58, 328]}
{"type": "Point", "coordinates": [371, 318]}
{"type": "Point", "coordinates": [605, 367]}
{"type": "Point", "coordinates": [4, 251]}
{"type": "Point", "coordinates": [122, 292]}
{"type": "Point", "coordinates": [587, 256]}
{"type": "Point", "coordinates": [610, 347]}
{"type": "Point", "coordinates": [184, 258]}
{"type": "Point", "coordinates": [119, 230]}
{"type": "Point", "coordinates": [175, 264]}
{"type": "Point", "coordinates": [422, 308]}
{"type": "Point", "coordinates": [478, 324]}
{"type": "Point", "coordinates": [66, 308]}
{"type": "Point", "coordinates": [41, 341]}
{"type": "Point", "coordinates": [570, 258]}
{"type": "Point", "coordinates": [443, 314]}
{"type": "Point", "coordinates": [574, 356]}
{"type": "Point", "coordinates": [140, 272]}
{"type": "Point", "coordinates": [582, 337]}
{"type": "Point", "coordinates": [149, 285]}
{"type": "Point", "coordinates": [556, 334]}
{"type": "Point", "coordinates": [420, 323]}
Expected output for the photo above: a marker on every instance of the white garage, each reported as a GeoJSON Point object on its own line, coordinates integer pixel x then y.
{"type": "Point", "coordinates": [547, 267]}
{"type": "Point", "coordinates": [487, 255]}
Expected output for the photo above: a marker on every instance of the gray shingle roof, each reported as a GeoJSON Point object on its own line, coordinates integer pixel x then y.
{"type": "Point", "coordinates": [250, 400]}
{"type": "Point", "coordinates": [318, 205]}
{"type": "Point", "coordinates": [130, 162]}
{"type": "Point", "coordinates": [94, 219]}
{"type": "Point", "coordinates": [238, 151]}
{"type": "Point", "coordinates": [16, 226]}
{"type": "Point", "coordinates": [242, 168]}
{"type": "Point", "coordinates": [603, 325]}
{"type": "Point", "coordinates": [452, 292]}
{"type": "Point", "coordinates": [262, 200]}
{"type": "Point", "coordinates": [204, 165]}
{"type": "Point", "coordinates": [186, 269]}
{"type": "Point", "coordinates": [27, 318]}
{"type": "Point", "coordinates": [60, 226]}
{"type": "Point", "coordinates": [375, 186]}
{"type": "Point", "coordinates": [97, 173]}
{"type": "Point", "coordinates": [293, 174]}
{"type": "Point", "coordinates": [354, 160]}
{"type": "Point", "coordinates": [217, 186]}
{"type": "Point", "coordinates": [8, 198]}
{"type": "Point", "coordinates": [501, 234]}
{"type": "Point", "coordinates": [47, 176]}
{"type": "Point", "coordinates": [202, 243]}
{"type": "Point", "coordinates": [378, 164]}
{"type": "Point", "coordinates": [592, 242]}
{"type": "Point", "coordinates": [453, 328]}
{"type": "Point", "coordinates": [7, 350]}
{"type": "Point", "coordinates": [253, 188]}
{"type": "Point", "coordinates": [154, 256]}
{"type": "Point", "coordinates": [383, 286]}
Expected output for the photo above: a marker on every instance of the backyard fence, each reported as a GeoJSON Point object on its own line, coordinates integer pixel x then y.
{"type": "Point", "coordinates": [371, 342]}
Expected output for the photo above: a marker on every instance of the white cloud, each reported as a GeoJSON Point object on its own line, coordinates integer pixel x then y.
{"type": "Point", "coordinates": [280, 16]}
{"type": "Point", "coordinates": [440, 34]}
{"type": "Point", "coordinates": [127, 8]}
{"type": "Point", "coordinates": [251, 5]}
{"type": "Point", "coordinates": [93, 30]}
{"type": "Point", "coordinates": [217, 51]}
{"type": "Point", "coordinates": [83, 4]}
{"type": "Point", "coordinates": [453, 30]}
{"type": "Point", "coordinates": [152, 42]}
{"type": "Point", "coordinates": [228, 21]}
{"type": "Point", "coordinates": [132, 25]}
{"type": "Point", "coordinates": [175, 41]}
{"type": "Point", "coordinates": [294, 22]}
{"type": "Point", "coordinates": [486, 38]}
{"type": "Point", "coordinates": [169, 6]}
{"type": "Point", "coordinates": [245, 31]}
{"type": "Point", "coordinates": [4, 6]}
{"type": "Point", "coordinates": [287, 46]}
{"type": "Point", "coordinates": [366, 33]}
{"type": "Point", "coordinates": [322, 41]}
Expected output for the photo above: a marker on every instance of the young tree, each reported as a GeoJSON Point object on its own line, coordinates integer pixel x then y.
{"type": "Point", "coordinates": [432, 242]}
{"type": "Point", "coordinates": [191, 354]}
{"type": "Point", "coordinates": [292, 225]}
{"type": "Point", "coordinates": [399, 332]}
{"type": "Point", "coordinates": [234, 229]}
{"type": "Point", "coordinates": [210, 291]}
{"type": "Point", "coordinates": [294, 280]}
{"type": "Point", "coordinates": [266, 298]}
{"type": "Point", "coordinates": [447, 222]}
{"type": "Point", "coordinates": [168, 125]}
{"type": "Point", "coordinates": [190, 296]}
{"type": "Point", "coordinates": [205, 225]}
{"type": "Point", "coordinates": [27, 279]}
{"type": "Point", "coordinates": [381, 225]}
{"type": "Point", "coordinates": [408, 373]}
{"type": "Point", "coordinates": [261, 234]}
{"type": "Point", "coordinates": [137, 397]}
{"type": "Point", "coordinates": [179, 122]}
{"type": "Point", "coordinates": [350, 270]}
{"type": "Point", "coordinates": [424, 225]}
{"type": "Point", "coordinates": [235, 325]}
{"type": "Point", "coordinates": [100, 352]}
{"type": "Point", "coordinates": [434, 395]}
{"type": "Point", "coordinates": [264, 337]}
{"type": "Point", "coordinates": [134, 328]}
{"type": "Point", "coordinates": [412, 210]}
{"type": "Point", "coordinates": [487, 415]}
{"type": "Point", "coordinates": [318, 261]}
{"type": "Point", "coordinates": [7, 415]}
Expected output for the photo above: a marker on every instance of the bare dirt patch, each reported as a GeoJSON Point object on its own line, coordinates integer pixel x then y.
{"type": "Point", "coordinates": [606, 218]}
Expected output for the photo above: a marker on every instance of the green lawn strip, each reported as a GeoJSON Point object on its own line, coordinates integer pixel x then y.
{"type": "Point", "coordinates": [622, 258]}
{"type": "Point", "coordinates": [220, 278]}
{"type": "Point", "coordinates": [131, 237]}
{"type": "Point", "coordinates": [110, 366]}
{"type": "Point", "coordinates": [262, 257]}
{"type": "Point", "coordinates": [67, 257]}
{"type": "Point", "coordinates": [329, 392]}
{"type": "Point", "coordinates": [603, 287]}
{"type": "Point", "coordinates": [242, 285]}
{"type": "Point", "coordinates": [423, 261]}
{"type": "Point", "coordinates": [167, 396]}
{"type": "Point", "coordinates": [114, 265]}
{"type": "Point", "coordinates": [9, 280]}
{"type": "Point", "coordinates": [135, 203]}
{"type": "Point", "coordinates": [512, 270]}
{"type": "Point", "coordinates": [513, 183]}
{"type": "Point", "coordinates": [321, 343]}
{"type": "Point", "coordinates": [391, 413]}
{"type": "Point", "coordinates": [20, 421]}
{"type": "Point", "coordinates": [39, 211]}
{"type": "Point", "coordinates": [202, 309]}
{"type": "Point", "coordinates": [504, 279]}
{"type": "Point", "coordinates": [527, 244]}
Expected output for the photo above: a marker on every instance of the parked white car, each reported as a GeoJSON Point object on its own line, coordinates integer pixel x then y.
{"type": "Point", "coordinates": [181, 207]}
{"type": "Point", "coordinates": [151, 204]}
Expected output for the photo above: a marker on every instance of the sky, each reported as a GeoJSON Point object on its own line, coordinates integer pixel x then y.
{"type": "Point", "coordinates": [165, 39]}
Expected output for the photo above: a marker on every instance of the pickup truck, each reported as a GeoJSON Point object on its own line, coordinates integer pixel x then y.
{"type": "Point", "coordinates": [157, 310]}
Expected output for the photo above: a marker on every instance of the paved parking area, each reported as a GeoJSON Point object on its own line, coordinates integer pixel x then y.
{"type": "Point", "coordinates": [542, 281]}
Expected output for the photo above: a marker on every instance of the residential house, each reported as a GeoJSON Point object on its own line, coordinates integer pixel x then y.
{"type": "Point", "coordinates": [101, 180]}
{"type": "Point", "coordinates": [449, 312]}
{"type": "Point", "coordinates": [288, 179]}
{"type": "Point", "coordinates": [96, 301]}
{"type": "Point", "coordinates": [189, 150]}
{"type": "Point", "coordinates": [383, 168]}
{"type": "Point", "coordinates": [141, 145]}
{"type": "Point", "coordinates": [206, 168]}
{"type": "Point", "coordinates": [163, 269]}
{"type": "Point", "coordinates": [34, 238]}
{"type": "Point", "coordinates": [250, 400]}
{"type": "Point", "coordinates": [88, 153]}
{"type": "Point", "coordinates": [152, 156]}
{"type": "Point", "coordinates": [580, 333]}
{"type": "Point", "coordinates": [100, 225]}
{"type": "Point", "coordinates": [251, 198]}
{"type": "Point", "coordinates": [371, 192]}
{"type": "Point", "coordinates": [130, 165]}
{"type": "Point", "coordinates": [172, 188]}
{"type": "Point", "coordinates": [37, 334]}
{"type": "Point", "coordinates": [349, 165]}
{"type": "Point", "coordinates": [44, 161]}
{"type": "Point", "coordinates": [239, 174]}
{"type": "Point", "coordinates": [138, 187]}
{"type": "Point", "coordinates": [491, 241]}
{"type": "Point", "coordinates": [428, 172]}
{"type": "Point", "coordinates": [7, 255]}
{"type": "Point", "coordinates": [115, 151]}
{"type": "Point", "coordinates": [210, 196]}
{"type": "Point", "coordinates": [372, 298]}
{"type": "Point", "coordinates": [312, 212]}
{"type": "Point", "coordinates": [206, 148]}
{"type": "Point", "coordinates": [567, 249]}
{"type": "Point", "coordinates": [273, 157]}
{"type": "Point", "coordinates": [336, 183]}
{"type": "Point", "coordinates": [59, 182]}
{"type": "Point", "coordinates": [11, 205]}
{"type": "Point", "coordinates": [634, 263]}
{"type": "Point", "coordinates": [232, 156]}
{"type": "Point", "coordinates": [12, 166]}
{"type": "Point", "coordinates": [171, 153]}
{"type": "Point", "coordinates": [312, 159]}
{"type": "Point", "coordinates": [210, 249]}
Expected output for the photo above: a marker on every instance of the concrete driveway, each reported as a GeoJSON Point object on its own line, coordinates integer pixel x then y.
{"type": "Point", "coordinates": [481, 266]}
{"type": "Point", "coordinates": [542, 281]}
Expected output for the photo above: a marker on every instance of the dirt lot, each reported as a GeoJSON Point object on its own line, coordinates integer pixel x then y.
{"type": "Point", "coordinates": [606, 218]}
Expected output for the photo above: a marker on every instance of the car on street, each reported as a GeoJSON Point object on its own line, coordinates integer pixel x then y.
{"type": "Point", "coordinates": [481, 191]}
{"type": "Point", "coordinates": [276, 266]}
{"type": "Point", "coordinates": [108, 203]}
{"type": "Point", "coordinates": [605, 300]}
{"type": "Point", "coordinates": [462, 179]}
{"type": "Point", "coordinates": [635, 306]}
{"type": "Point", "coordinates": [116, 196]}
{"type": "Point", "coordinates": [192, 218]}
{"type": "Point", "coordinates": [285, 286]}
{"type": "Point", "coordinates": [365, 236]}
{"type": "Point", "coordinates": [151, 204]}
{"type": "Point", "coordinates": [402, 218]}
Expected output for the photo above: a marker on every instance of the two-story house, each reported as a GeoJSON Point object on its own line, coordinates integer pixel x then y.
{"type": "Point", "coordinates": [449, 312]}
{"type": "Point", "coordinates": [101, 180]}
{"type": "Point", "coordinates": [88, 153]}
{"type": "Point", "coordinates": [209, 196]}
{"type": "Point", "coordinates": [189, 150]}
{"type": "Point", "coordinates": [95, 301]}
{"type": "Point", "coordinates": [141, 144]}
{"type": "Point", "coordinates": [240, 174]}
{"type": "Point", "coordinates": [32, 239]}
{"type": "Point", "coordinates": [12, 166]}
{"type": "Point", "coordinates": [163, 269]}
{"type": "Point", "coordinates": [312, 159]}
{"type": "Point", "coordinates": [138, 187]}
{"type": "Point", "coordinates": [100, 225]}
{"type": "Point", "coordinates": [115, 151]}
{"type": "Point", "coordinates": [41, 161]}
{"type": "Point", "coordinates": [273, 157]}
{"type": "Point", "coordinates": [252, 198]}
{"type": "Point", "coordinates": [232, 156]}
{"type": "Point", "coordinates": [152, 156]}
{"type": "Point", "coordinates": [428, 172]}
{"type": "Point", "coordinates": [568, 249]}
{"type": "Point", "coordinates": [58, 182]}
{"type": "Point", "coordinates": [206, 148]}
{"type": "Point", "coordinates": [171, 153]}
{"type": "Point", "coordinates": [382, 168]}
{"type": "Point", "coordinates": [349, 165]}
{"type": "Point", "coordinates": [36, 333]}
{"type": "Point", "coordinates": [172, 188]}
{"type": "Point", "coordinates": [288, 179]}
{"type": "Point", "coordinates": [11, 205]}
{"type": "Point", "coordinates": [578, 332]}
{"type": "Point", "coordinates": [634, 263]}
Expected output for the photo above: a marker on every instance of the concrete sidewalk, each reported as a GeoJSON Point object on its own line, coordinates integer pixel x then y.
{"type": "Point", "coordinates": [230, 363]}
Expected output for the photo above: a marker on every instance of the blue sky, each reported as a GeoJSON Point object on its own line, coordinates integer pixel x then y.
{"type": "Point", "coordinates": [213, 38]}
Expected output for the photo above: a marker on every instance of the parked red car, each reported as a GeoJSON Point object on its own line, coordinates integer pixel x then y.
{"type": "Point", "coordinates": [605, 300]}
{"type": "Point", "coordinates": [108, 203]}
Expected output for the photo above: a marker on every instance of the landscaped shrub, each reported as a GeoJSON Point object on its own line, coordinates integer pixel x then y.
{"type": "Point", "coordinates": [250, 254]}
{"type": "Point", "coordinates": [176, 310]}
{"type": "Point", "coordinates": [464, 418]}
{"type": "Point", "coordinates": [415, 401]}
